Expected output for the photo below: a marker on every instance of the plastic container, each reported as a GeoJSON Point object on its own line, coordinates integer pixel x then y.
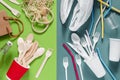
{"type": "Point", "coordinates": [114, 50]}
{"type": "Point", "coordinates": [111, 25]}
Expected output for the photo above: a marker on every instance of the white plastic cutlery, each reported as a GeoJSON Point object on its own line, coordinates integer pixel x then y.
{"type": "Point", "coordinates": [65, 65]}
{"type": "Point", "coordinates": [76, 40]}
{"type": "Point", "coordinates": [65, 8]}
{"type": "Point", "coordinates": [30, 53]}
{"type": "Point", "coordinates": [74, 47]}
{"type": "Point", "coordinates": [15, 2]}
{"type": "Point", "coordinates": [21, 46]}
{"type": "Point", "coordinates": [48, 55]}
{"type": "Point", "coordinates": [79, 62]}
{"type": "Point", "coordinates": [14, 11]}
{"type": "Point", "coordinates": [95, 38]}
{"type": "Point", "coordinates": [85, 45]}
{"type": "Point", "coordinates": [37, 54]}
{"type": "Point", "coordinates": [25, 49]}
{"type": "Point", "coordinates": [88, 44]}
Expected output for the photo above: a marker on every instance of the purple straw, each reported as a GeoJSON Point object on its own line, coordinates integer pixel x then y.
{"type": "Point", "coordinates": [73, 61]}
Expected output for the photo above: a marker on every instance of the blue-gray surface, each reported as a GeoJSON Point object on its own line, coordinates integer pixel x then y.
{"type": "Point", "coordinates": [64, 36]}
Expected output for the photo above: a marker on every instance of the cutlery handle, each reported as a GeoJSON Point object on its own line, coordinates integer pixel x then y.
{"type": "Point", "coordinates": [14, 11]}
{"type": "Point", "coordinates": [94, 45]}
{"type": "Point", "coordinates": [66, 74]}
{"type": "Point", "coordinates": [73, 61]}
{"type": "Point", "coordinates": [14, 1]}
{"type": "Point", "coordinates": [6, 5]}
{"type": "Point", "coordinates": [30, 60]}
{"type": "Point", "coordinates": [81, 73]}
{"type": "Point", "coordinates": [21, 56]}
{"type": "Point", "coordinates": [41, 67]}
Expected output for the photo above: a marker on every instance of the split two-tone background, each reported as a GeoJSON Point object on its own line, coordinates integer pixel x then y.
{"type": "Point", "coordinates": [54, 37]}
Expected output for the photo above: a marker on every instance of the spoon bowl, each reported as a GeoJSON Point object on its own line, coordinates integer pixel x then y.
{"type": "Point", "coordinates": [75, 38]}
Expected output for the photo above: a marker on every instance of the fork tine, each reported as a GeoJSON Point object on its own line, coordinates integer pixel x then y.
{"type": "Point", "coordinates": [97, 34]}
{"type": "Point", "coordinates": [83, 41]}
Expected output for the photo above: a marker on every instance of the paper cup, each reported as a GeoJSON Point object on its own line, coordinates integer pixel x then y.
{"type": "Point", "coordinates": [114, 50]}
{"type": "Point", "coordinates": [96, 66]}
{"type": "Point", "coordinates": [16, 71]}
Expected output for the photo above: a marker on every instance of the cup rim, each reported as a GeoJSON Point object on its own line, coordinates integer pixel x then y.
{"type": "Point", "coordinates": [8, 78]}
{"type": "Point", "coordinates": [114, 39]}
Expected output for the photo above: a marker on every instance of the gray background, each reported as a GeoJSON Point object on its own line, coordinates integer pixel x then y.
{"type": "Point", "coordinates": [64, 36]}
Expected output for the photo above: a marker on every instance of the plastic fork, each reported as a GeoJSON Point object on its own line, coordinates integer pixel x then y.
{"type": "Point", "coordinates": [65, 64]}
{"type": "Point", "coordinates": [88, 43]}
{"type": "Point", "coordinates": [47, 56]}
{"type": "Point", "coordinates": [95, 39]}
{"type": "Point", "coordinates": [78, 61]}
{"type": "Point", "coordinates": [14, 11]}
{"type": "Point", "coordinates": [85, 45]}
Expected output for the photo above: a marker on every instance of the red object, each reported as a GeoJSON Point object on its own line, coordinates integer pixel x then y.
{"type": "Point", "coordinates": [73, 61]}
{"type": "Point", "coordinates": [16, 71]}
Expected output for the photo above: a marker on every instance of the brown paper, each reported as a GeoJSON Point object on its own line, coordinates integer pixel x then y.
{"type": "Point", "coordinates": [4, 24]}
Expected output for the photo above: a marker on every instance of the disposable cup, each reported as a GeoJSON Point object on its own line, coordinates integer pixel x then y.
{"type": "Point", "coordinates": [111, 25]}
{"type": "Point", "coordinates": [96, 66]}
{"type": "Point", "coordinates": [114, 50]}
{"type": "Point", "coordinates": [16, 71]}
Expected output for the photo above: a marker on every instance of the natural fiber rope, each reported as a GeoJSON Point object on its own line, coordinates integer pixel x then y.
{"type": "Point", "coordinates": [38, 11]}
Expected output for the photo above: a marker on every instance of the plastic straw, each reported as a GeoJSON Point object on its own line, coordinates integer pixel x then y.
{"type": "Point", "coordinates": [106, 67]}
{"type": "Point", "coordinates": [108, 11]}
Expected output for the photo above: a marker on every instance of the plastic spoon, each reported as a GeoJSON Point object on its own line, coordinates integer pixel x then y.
{"type": "Point", "coordinates": [76, 40]}
{"type": "Point", "coordinates": [14, 11]}
{"type": "Point", "coordinates": [37, 54]}
{"type": "Point", "coordinates": [48, 55]}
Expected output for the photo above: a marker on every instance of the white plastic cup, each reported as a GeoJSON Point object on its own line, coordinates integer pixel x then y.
{"type": "Point", "coordinates": [96, 66]}
{"type": "Point", "coordinates": [114, 50]}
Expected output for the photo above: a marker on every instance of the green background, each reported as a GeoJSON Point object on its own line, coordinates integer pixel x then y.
{"type": "Point", "coordinates": [46, 40]}
{"type": "Point", "coordinates": [65, 36]}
